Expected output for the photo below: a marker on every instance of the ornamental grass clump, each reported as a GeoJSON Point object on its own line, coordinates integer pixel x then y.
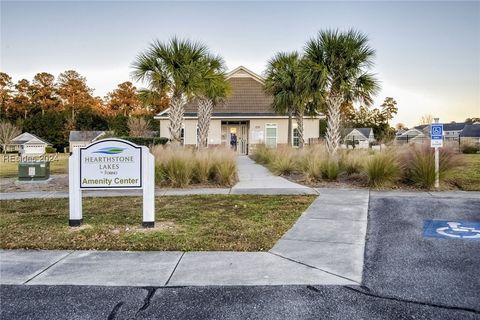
{"type": "Point", "coordinates": [382, 169]}
{"type": "Point", "coordinates": [179, 167]}
{"type": "Point", "coordinates": [351, 161]}
{"type": "Point", "coordinates": [263, 154]}
{"type": "Point", "coordinates": [310, 161]}
{"type": "Point", "coordinates": [204, 167]}
{"type": "Point", "coordinates": [224, 167]}
{"type": "Point", "coordinates": [419, 162]}
{"type": "Point", "coordinates": [283, 162]}
{"type": "Point", "coordinates": [330, 170]}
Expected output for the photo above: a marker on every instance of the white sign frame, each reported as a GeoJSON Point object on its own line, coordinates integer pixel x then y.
{"type": "Point", "coordinates": [147, 182]}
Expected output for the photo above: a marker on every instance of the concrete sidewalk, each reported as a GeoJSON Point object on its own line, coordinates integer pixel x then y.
{"type": "Point", "coordinates": [256, 179]}
{"type": "Point", "coordinates": [330, 235]}
{"type": "Point", "coordinates": [124, 268]}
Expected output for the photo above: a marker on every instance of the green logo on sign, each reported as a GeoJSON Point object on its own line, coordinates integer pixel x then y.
{"type": "Point", "coordinates": [110, 150]}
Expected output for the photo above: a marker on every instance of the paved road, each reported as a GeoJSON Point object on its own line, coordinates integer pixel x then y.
{"type": "Point", "coordinates": [272, 302]}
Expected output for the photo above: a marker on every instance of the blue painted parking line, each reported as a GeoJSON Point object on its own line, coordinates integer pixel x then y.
{"type": "Point", "coordinates": [452, 229]}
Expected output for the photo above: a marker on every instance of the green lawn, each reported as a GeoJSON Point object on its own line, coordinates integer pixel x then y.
{"type": "Point", "coordinates": [10, 169]}
{"type": "Point", "coordinates": [467, 177]}
{"type": "Point", "coordinates": [188, 223]}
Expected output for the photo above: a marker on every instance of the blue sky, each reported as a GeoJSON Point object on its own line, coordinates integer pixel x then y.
{"type": "Point", "coordinates": [428, 53]}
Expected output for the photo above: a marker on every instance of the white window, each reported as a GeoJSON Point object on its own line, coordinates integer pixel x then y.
{"type": "Point", "coordinates": [271, 134]}
{"type": "Point", "coordinates": [296, 136]}
{"type": "Point", "coordinates": [182, 134]}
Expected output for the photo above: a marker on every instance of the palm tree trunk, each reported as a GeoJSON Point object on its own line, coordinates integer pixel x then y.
{"type": "Point", "coordinates": [205, 108]}
{"type": "Point", "coordinates": [300, 128]}
{"type": "Point", "coordinates": [175, 115]}
{"type": "Point", "coordinates": [333, 125]}
{"type": "Point", "coordinates": [289, 139]}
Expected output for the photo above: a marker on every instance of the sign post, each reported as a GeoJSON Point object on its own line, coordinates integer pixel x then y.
{"type": "Point", "coordinates": [436, 141]}
{"type": "Point", "coordinates": [111, 164]}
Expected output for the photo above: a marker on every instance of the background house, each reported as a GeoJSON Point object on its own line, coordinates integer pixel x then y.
{"type": "Point", "coordinates": [470, 134]}
{"type": "Point", "coordinates": [451, 131]}
{"type": "Point", "coordinates": [80, 139]}
{"type": "Point", "coordinates": [415, 135]}
{"type": "Point", "coordinates": [246, 113]}
{"type": "Point", "coordinates": [364, 136]}
{"type": "Point", "coordinates": [28, 144]}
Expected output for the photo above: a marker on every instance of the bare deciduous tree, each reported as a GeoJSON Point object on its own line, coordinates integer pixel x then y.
{"type": "Point", "coordinates": [138, 127]}
{"type": "Point", "coordinates": [7, 132]}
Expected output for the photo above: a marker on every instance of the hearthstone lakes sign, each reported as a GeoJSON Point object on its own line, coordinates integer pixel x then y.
{"type": "Point", "coordinates": [111, 164]}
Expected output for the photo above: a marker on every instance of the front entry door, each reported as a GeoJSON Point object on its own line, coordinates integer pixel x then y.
{"type": "Point", "coordinates": [235, 135]}
{"type": "Point", "coordinates": [243, 139]}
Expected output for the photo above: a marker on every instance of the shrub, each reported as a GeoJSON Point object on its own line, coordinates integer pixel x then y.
{"type": "Point", "coordinates": [224, 167]}
{"type": "Point", "coordinates": [283, 161]}
{"type": "Point", "coordinates": [470, 148]}
{"type": "Point", "coordinates": [382, 169]}
{"type": "Point", "coordinates": [179, 167]}
{"type": "Point", "coordinates": [203, 167]}
{"type": "Point", "coordinates": [330, 169]}
{"type": "Point", "coordinates": [420, 164]}
{"type": "Point", "coordinates": [179, 170]}
{"type": "Point", "coordinates": [49, 149]}
{"type": "Point", "coordinates": [351, 161]}
{"type": "Point", "coordinates": [142, 141]}
{"type": "Point", "coordinates": [263, 154]}
{"type": "Point", "coordinates": [310, 161]}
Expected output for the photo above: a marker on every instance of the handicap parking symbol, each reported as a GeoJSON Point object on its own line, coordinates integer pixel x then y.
{"type": "Point", "coordinates": [453, 229]}
{"type": "Point", "coordinates": [436, 131]}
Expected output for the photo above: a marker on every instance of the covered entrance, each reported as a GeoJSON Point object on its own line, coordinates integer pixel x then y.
{"type": "Point", "coordinates": [235, 135]}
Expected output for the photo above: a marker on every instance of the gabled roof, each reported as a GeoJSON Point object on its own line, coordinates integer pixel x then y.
{"type": "Point", "coordinates": [247, 96]}
{"type": "Point", "coordinates": [242, 72]}
{"type": "Point", "coordinates": [28, 138]}
{"type": "Point", "coordinates": [85, 135]}
{"type": "Point", "coordinates": [413, 130]}
{"type": "Point", "coordinates": [364, 131]}
{"type": "Point", "coordinates": [471, 131]}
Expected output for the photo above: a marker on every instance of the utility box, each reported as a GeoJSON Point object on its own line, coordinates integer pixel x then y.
{"type": "Point", "coordinates": [33, 171]}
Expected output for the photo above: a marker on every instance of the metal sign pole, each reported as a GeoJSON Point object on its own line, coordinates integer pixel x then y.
{"type": "Point", "coordinates": [437, 134]}
{"type": "Point", "coordinates": [437, 168]}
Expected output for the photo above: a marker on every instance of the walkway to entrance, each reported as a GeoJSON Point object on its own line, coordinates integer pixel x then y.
{"type": "Point", "coordinates": [254, 178]}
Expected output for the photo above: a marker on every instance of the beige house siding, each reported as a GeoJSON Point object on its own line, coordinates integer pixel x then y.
{"type": "Point", "coordinates": [190, 128]}
{"type": "Point", "coordinates": [257, 132]}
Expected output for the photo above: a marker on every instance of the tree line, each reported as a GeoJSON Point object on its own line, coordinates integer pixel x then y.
{"type": "Point", "coordinates": [329, 76]}
{"type": "Point", "coordinates": [50, 107]}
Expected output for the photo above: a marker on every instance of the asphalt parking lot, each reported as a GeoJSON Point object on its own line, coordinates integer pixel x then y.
{"type": "Point", "coordinates": [406, 276]}
{"type": "Point", "coordinates": [401, 262]}
{"type": "Point", "coordinates": [252, 302]}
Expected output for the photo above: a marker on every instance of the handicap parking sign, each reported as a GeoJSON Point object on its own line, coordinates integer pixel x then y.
{"type": "Point", "coordinates": [437, 130]}
{"type": "Point", "coordinates": [452, 229]}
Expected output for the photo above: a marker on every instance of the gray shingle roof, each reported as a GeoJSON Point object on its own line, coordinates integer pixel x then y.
{"type": "Point", "coordinates": [364, 131]}
{"type": "Point", "coordinates": [247, 96]}
{"type": "Point", "coordinates": [84, 135]}
{"type": "Point", "coordinates": [471, 130]}
{"type": "Point", "coordinates": [453, 126]}
{"type": "Point", "coordinates": [25, 137]}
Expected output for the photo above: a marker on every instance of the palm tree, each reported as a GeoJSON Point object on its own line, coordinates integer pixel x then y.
{"type": "Point", "coordinates": [213, 88]}
{"type": "Point", "coordinates": [173, 68]}
{"type": "Point", "coordinates": [337, 63]}
{"type": "Point", "coordinates": [282, 82]}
